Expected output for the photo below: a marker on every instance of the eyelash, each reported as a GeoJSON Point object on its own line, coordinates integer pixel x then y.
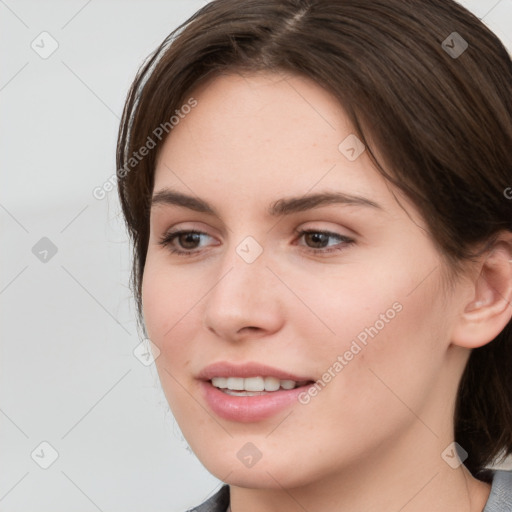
{"type": "Point", "coordinates": [168, 238]}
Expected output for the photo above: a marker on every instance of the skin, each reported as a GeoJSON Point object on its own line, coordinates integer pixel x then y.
{"type": "Point", "coordinates": [373, 437]}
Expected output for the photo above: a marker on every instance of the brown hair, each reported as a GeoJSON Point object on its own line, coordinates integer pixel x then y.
{"type": "Point", "coordinates": [440, 119]}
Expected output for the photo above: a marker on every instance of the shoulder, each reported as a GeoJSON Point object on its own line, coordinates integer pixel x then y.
{"type": "Point", "coordinates": [217, 503]}
{"type": "Point", "coordinates": [500, 499]}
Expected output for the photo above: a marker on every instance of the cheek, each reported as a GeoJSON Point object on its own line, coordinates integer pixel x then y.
{"type": "Point", "coordinates": [375, 332]}
{"type": "Point", "coordinates": [388, 375]}
{"type": "Point", "coordinates": [170, 303]}
{"type": "Point", "coordinates": [168, 296]}
{"type": "Point", "coordinates": [340, 306]}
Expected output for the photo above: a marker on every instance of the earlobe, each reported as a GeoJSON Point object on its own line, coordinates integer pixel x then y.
{"type": "Point", "coordinates": [490, 308]}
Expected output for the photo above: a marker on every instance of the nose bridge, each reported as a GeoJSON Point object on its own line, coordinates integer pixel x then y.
{"type": "Point", "coordinates": [242, 295]}
{"type": "Point", "coordinates": [243, 271]}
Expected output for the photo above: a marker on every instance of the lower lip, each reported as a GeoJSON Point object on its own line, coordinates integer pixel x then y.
{"type": "Point", "coordinates": [247, 409]}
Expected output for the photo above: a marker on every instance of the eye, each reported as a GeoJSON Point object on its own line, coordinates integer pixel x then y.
{"type": "Point", "coordinates": [187, 239]}
{"type": "Point", "coordinates": [320, 241]}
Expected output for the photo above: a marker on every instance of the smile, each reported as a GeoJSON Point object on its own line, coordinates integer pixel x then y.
{"type": "Point", "coordinates": [252, 386]}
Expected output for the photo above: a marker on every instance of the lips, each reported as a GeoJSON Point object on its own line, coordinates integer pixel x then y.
{"type": "Point", "coordinates": [250, 369]}
{"type": "Point", "coordinates": [243, 406]}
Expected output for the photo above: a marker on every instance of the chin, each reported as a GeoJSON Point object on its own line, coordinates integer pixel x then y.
{"type": "Point", "coordinates": [269, 472]}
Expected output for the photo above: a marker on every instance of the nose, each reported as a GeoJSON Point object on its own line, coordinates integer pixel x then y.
{"type": "Point", "coordinates": [244, 300]}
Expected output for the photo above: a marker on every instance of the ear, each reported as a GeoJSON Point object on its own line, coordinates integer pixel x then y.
{"type": "Point", "coordinates": [489, 310]}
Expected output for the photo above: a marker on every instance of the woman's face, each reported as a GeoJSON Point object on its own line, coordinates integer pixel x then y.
{"type": "Point", "coordinates": [354, 305]}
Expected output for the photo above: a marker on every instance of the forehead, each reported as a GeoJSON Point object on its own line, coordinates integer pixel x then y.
{"type": "Point", "coordinates": [269, 136]}
{"type": "Point", "coordinates": [265, 103]}
{"type": "Point", "coordinates": [252, 123]}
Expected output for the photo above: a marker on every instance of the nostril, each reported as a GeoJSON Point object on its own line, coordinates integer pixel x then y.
{"type": "Point", "coordinates": [249, 327]}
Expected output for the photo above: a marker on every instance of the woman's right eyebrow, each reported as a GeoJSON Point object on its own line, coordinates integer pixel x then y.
{"type": "Point", "coordinates": [279, 208]}
{"type": "Point", "coordinates": [166, 196]}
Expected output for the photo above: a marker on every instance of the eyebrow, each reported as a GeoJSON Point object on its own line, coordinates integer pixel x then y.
{"type": "Point", "coordinates": [279, 208]}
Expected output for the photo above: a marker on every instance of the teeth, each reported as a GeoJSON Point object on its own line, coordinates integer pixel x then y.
{"type": "Point", "coordinates": [272, 384]}
{"type": "Point", "coordinates": [220, 382]}
{"type": "Point", "coordinates": [288, 384]}
{"type": "Point", "coordinates": [236, 383]}
{"type": "Point", "coordinates": [243, 393]}
{"type": "Point", "coordinates": [253, 384]}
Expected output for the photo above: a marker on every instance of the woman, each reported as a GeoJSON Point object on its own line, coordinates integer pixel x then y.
{"type": "Point", "coordinates": [318, 194]}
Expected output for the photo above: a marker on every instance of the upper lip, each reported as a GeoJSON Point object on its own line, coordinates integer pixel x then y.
{"type": "Point", "coordinates": [249, 369]}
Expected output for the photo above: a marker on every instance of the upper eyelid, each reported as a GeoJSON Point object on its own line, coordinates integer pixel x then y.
{"type": "Point", "coordinates": [295, 231]}
{"type": "Point", "coordinates": [162, 215]}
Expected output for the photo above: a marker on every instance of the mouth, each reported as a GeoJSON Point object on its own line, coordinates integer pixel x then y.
{"type": "Point", "coordinates": [250, 392]}
{"type": "Point", "coordinates": [255, 386]}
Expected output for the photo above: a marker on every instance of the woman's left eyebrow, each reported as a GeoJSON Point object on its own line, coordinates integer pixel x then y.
{"type": "Point", "coordinates": [279, 208]}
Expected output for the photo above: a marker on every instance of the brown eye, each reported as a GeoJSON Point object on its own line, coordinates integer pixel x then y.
{"type": "Point", "coordinates": [318, 241]}
{"type": "Point", "coordinates": [187, 242]}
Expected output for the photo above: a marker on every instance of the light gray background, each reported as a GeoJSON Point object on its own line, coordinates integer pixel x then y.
{"type": "Point", "coordinates": [68, 375]}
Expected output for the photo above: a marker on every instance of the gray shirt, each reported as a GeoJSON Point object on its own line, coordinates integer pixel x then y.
{"type": "Point", "coordinates": [500, 499]}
